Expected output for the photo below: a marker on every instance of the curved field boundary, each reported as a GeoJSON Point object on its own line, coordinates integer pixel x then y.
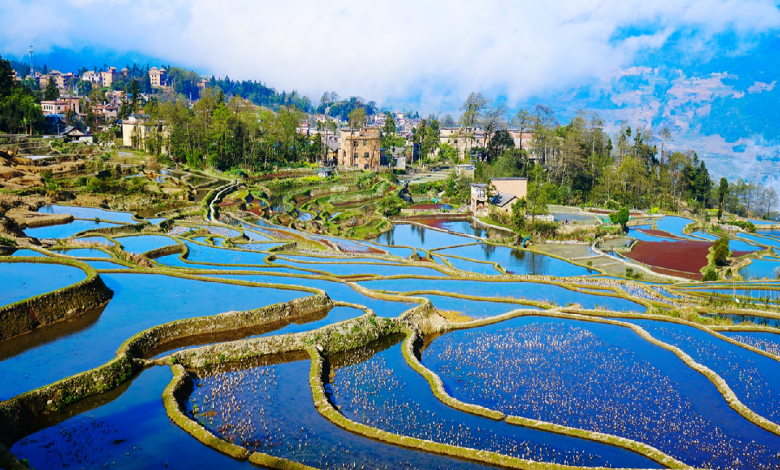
{"type": "Point", "coordinates": [178, 389]}
{"type": "Point", "coordinates": [326, 409]}
{"type": "Point", "coordinates": [597, 316]}
{"type": "Point", "coordinates": [176, 248]}
{"type": "Point", "coordinates": [437, 386]}
{"type": "Point", "coordinates": [25, 315]}
{"type": "Point", "coordinates": [17, 413]}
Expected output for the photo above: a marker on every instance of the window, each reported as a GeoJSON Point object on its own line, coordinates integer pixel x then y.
{"type": "Point", "coordinates": [365, 155]}
{"type": "Point", "coordinates": [365, 167]}
{"type": "Point", "coordinates": [364, 142]}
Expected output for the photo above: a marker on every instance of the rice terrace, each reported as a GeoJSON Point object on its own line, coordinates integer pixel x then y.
{"type": "Point", "coordinates": [577, 267]}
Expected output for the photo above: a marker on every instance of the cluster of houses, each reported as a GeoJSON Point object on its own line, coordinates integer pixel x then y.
{"type": "Point", "coordinates": [362, 149]}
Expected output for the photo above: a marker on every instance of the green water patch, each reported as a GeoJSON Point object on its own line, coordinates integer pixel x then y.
{"type": "Point", "coordinates": [139, 244]}
{"type": "Point", "coordinates": [275, 415]}
{"type": "Point", "coordinates": [67, 230]}
{"type": "Point", "coordinates": [518, 261]}
{"type": "Point", "coordinates": [125, 428]}
{"type": "Point", "coordinates": [602, 378]}
{"type": "Point", "coordinates": [378, 388]}
{"type": "Point", "coordinates": [19, 281]}
{"type": "Point", "coordinates": [140, 301]}
{"type": "Point", "coordinates": [517, 290]}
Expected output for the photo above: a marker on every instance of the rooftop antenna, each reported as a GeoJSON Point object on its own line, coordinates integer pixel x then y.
{"type": "Point", "coordinates": [30, 50]}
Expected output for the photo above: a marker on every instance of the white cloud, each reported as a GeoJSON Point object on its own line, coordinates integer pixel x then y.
{"type": "Point", "coordinates": [434, 52]}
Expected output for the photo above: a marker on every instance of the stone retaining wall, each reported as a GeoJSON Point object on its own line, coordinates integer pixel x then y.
{"type": "Point", "coordinates": [146, 341]}
{"type": "Point", "coordinates": [25, 315]}
{"type": "Point", "coordinates": [166, 250]}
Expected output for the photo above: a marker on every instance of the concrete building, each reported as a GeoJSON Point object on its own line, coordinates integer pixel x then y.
{"type": "Point", "coordinates": [91, 77]}
{"type": "Point", "coordinates": [361, 149]}
{"type": "Point", "coordinates": [507, 191]}
{"type": "Point", "coordinates": [137, 128]}
{"type": "Point", "coordinates": [462, 139]}
{"type": "Point", "coordinates": [108, 77]}
{"type": "Point", "coordinates": [159, 78]}
{"type": "Point", "coordinates": [61, 105]}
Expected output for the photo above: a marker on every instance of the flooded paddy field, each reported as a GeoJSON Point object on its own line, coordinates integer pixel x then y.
{"type": "Point", "coordinates": [518, 261]}
{"type": "Point", "coordinates": [139, 302]}
{"type": "Point", "coordinates": [284, 372]}
{"type": "Point", "coordinates": [516, 290]}
{"type": "Point", "coordinates": [67, 230]}
{"type": "Point", "coordinates": [23, 280]}
{"type": "Point", "coordinates": [754, 378]}
{"type": "Point", "coordinates": [603, 378]}
{"type": "Point", "coordinates": [259, 408]}
{"type": "Point", "coordinates": [380, 389]}
{"type": "Point", "coordinates": [142, 243]}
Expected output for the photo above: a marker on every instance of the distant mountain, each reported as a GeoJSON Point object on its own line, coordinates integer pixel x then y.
{"type": "Point", "coordinates": [721, 101]}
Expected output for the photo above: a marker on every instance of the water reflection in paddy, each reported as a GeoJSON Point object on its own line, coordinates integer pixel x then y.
{"type": "Point", "coordinates": [26, 252]}
{"type": "Point", "coordinates": [20, 281]}
{"type": "Point", "coordinates": [348, 269]}
{"type": "Point", "coordinates": [89, 213]}
{"type": "Point", "coordinates": [142, 243]}
{"type": "Point", "coordinates": [284, 423]}
{"type": "Point", "coordinates": [208, 254]}
{"type": "Point", "coordinates": [416, 236]}
{"type": "Point", "coordinates": [335, 290]}
{"type": "Point", "coordinates": [140, 301]}
{"type": "Point", "coordinates": [105, 265]}
{"type": "Point", "coordinates": [66, 230]}
{"type": "Point", "coordinates": [381, 390]}
{"type": "Point", "coordinates": [125, 428]}
{"type": "Point", "coordinates": [517, 261]}
{"type": "Point", "coordinates": [518, 290]}
{"type": "Point", "coordinates": [761, 269]}
{"type": "Point", "coordinates": [603, 378]}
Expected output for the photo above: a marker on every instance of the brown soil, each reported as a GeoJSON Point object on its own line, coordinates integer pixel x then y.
{"type": "Point", "coordinates": [659, 233]}
{"type": "Point", "coordinates": [681, 256]}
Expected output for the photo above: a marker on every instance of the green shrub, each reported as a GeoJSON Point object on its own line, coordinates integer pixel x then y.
{"type": "Point", "coordinates": [710, 275]}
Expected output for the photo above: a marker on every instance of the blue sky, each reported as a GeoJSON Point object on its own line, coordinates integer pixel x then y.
{"type": "Point", "coordinates": [708, 69]}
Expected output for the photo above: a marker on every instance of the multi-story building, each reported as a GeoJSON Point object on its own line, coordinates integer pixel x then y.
{"type": "Point", "coordinates": [159, 78]}
{"type": "Point", "coordinates": [462, 139]}
{"type": "Point", "coordinates": [61, 105]}
{"type": "Point", "coordinates": [92, 77]}
{"type": "Point", "coordinates": [108, 77]}
{"type": "Point", "coordinates": [507, 191]}
{"type": "Point", "coordinates": [361, 149]}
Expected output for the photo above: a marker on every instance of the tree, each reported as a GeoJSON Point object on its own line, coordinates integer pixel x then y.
{"type": "Point", "coordinates": [135, 95]}
{"type": "Point", "coordinates": [536, 197]}
{"type": "Point", "coordinates": [522, 122]}
{"type": "Point", "coordinates": [51, 92]}
{"type": "Point", "coordinates": [720, 251]}
{"type": "Point", "coordinates": [6, 78]}
{"type": "Point", "coordinates": [722, 191]}
{"type": "Point", "coordinates": [620, 217]}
